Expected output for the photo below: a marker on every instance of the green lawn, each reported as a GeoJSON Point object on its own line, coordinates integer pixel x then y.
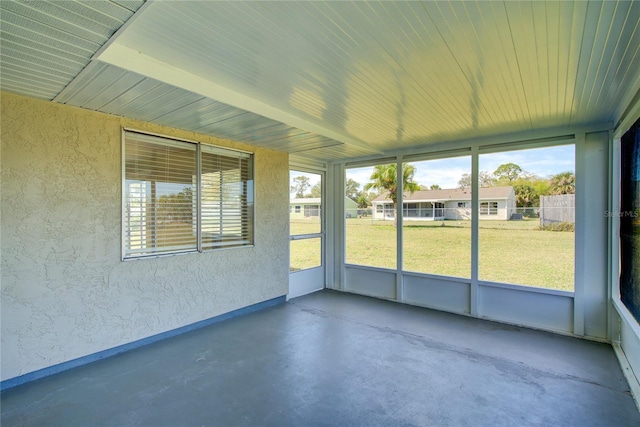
{"type": "Point", "coordinates": [510, 251]}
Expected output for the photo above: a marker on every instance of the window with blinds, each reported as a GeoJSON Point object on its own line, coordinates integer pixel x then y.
{"type": "Point", "coordinates": [227, 197]}
{"type": "Point", "coordinates": [184, 197]}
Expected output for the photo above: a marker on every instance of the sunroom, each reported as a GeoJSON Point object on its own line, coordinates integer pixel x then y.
{"type": "Point", "coordinates": [149, 151]}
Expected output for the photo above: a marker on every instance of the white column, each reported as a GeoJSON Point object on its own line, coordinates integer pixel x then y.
{"type": "Point", "coordinates": [475, 210]}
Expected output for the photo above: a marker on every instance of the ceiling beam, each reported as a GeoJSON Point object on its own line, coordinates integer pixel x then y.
{"type": "Point", "coordinates": [145, 65]}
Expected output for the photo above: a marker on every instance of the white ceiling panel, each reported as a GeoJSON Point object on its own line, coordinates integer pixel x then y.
{"type": "Point", "coordinates": [407, 73]}
{"type": "Point", "coordinates": [45, 44]}
{"type": "Point", "coordinates": [106, 88]}
{"type": "Point", "coordinates": [331, 80]}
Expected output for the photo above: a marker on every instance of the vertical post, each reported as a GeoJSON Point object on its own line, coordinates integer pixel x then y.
{"type": "Point", "coordinates": [591, 293]}
{"type": "Point", "coordinates": [399, 225]}
{"type": "Point", "coordinates": [475, 210]}
{"type": "Point", "coordinates": [580, 236]}
{"type": "Point", "coordinates": [335, 227]}
{"type": "Point", "coordinates": [198, 198]}
{"type": "Point", "coordinates": [613, 249]}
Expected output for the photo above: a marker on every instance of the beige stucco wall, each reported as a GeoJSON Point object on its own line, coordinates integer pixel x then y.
{"type": "Point", "coordinates": [65, 291]}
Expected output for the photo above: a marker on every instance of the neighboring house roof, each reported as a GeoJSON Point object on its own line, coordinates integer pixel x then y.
{"type": "Point", "coordinates": [314, 201]}
{"type": "Point", "coordinates": [306, 201]}
{"type": "Point", "coordinates": [449, 194]}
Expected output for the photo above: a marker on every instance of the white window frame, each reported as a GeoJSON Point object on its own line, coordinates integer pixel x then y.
{"type": "Point", "coordinates": [488, 208]}
{"type": "Point", "coordinates": [246, 239]}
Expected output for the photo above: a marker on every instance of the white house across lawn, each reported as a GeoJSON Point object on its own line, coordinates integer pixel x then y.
{"type": "Point", "coordinates": [430, 205]}
{"type": "Point", "coordinates": [310, 207]}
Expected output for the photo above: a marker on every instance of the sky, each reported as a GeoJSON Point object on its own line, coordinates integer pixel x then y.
{"type": "Point", "coordinates": [543, 162]}
{"type": "Point", "coordinates": [446, 173]}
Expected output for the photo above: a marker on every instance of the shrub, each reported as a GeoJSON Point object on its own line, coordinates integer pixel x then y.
{"type": "Point", "coordinates": [558, 226]}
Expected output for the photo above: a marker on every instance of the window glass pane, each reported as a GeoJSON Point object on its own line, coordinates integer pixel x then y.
{"type": "Point", "coordinates": [370, 232]}
{"type": "Point", "coordinates": [437, 218]}
{"type": "Point", "coordinates": [527, 216]}
{"type": "Point", "coordinates": [160, 196]}
{"type": "Point", "coordinates": [227, 200]}
{"type": "Point", "coordinates": [305, 203]}
{"type": "Point", "coordinates": [305, 253]}
{"type": "Point", "coordinates": [629, 215]}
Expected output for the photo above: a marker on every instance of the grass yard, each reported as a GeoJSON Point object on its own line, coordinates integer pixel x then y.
{"type": "Point", "coordinates": [510, 251]}
{"type": "Point", "coordinates": [305, 254]}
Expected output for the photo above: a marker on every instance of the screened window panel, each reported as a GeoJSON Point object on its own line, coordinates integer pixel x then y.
{"type": "Point", "coordinates": [160, 196]}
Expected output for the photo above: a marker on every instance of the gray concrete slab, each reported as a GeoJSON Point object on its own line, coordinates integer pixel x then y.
{"type": "Point", "coordinates": [333, 359]}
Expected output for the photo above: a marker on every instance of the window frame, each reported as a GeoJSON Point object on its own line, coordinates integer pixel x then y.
{"type": "Point", "coordinates": [490, 209]}
{"type": "Point", "coordinates": [248, 195]}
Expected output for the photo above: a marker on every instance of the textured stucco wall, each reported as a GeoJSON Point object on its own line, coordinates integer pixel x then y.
{"type": "Point", "coordinates": [65, 291]}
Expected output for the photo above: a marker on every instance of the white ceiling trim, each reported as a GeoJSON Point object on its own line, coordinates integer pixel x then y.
{"type": "Point", "coordinates": [629, 110]}
{"type": "Point", "coordinates": [137, 62]}
{"type": "Point", "coordinates": [629, 116]}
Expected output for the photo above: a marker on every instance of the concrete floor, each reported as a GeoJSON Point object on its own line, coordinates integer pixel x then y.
{"type": "Point", "coordinates": [333, 359]}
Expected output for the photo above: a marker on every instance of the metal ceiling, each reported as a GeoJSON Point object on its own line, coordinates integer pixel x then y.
{"type": "Point", "coordinates": [44, 45]}
{"type": "Point", "coordinates": [331, 80]}
{"type": "Point", "coordinates": [110, 89]}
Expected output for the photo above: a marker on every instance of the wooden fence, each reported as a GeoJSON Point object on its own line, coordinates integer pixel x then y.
{"type": "Point", "coordinates": [557, 209]}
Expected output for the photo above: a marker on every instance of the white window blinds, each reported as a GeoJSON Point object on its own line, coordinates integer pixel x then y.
{"type": "Point", "coordinates": [181, 196]}
{"type": "Point", "coordinates": [227, 198]}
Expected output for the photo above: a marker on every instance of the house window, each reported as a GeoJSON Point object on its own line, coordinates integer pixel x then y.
{"type": "Point", "coordinates": [183, 196]}
{"type": "Point", "coordinates": [379, 208]}
{"type": "Point", "coordinates": [311, 211]}
{"type": "Point", "coordinates": [297, 209]}
{"type": "Point", "coordinates": [489, 208]}
{"type": "Point", "coordinates": [462, 204]}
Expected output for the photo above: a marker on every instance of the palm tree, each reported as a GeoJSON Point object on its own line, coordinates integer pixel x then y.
{"type": "Point", "coordinates": [384, 178]}
{"type": "Point", "coordinates": [563, 183]}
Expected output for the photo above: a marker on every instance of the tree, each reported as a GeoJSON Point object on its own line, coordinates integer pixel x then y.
{"type": "Point", "coordinates": [175, 207]}
{"type": "Point", "coordinates": [384, 178]}
{"type": "Point", "coordinates": [351, 189]}
{"type": "Point", "coordinates": [362, 201]}
{"type": "Point", "coordinates": [526, 195]}
{"type": "Point", "coordinates": [371, 194]}
{"type": "Point", "coordinates": [300, 185]}
{"type": "Point", "coordinates": [316, 191]}
{"type": "Point", "coordinates": [542, 186]}
{"type": "Point", "coordinates": [508, 173]}
{"type": "Point", "coordinates": [563, 183]}
{"type": "Point", "coordinates": [485, 179]}
{"type": "Point", "coordinates": [435, 187]}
